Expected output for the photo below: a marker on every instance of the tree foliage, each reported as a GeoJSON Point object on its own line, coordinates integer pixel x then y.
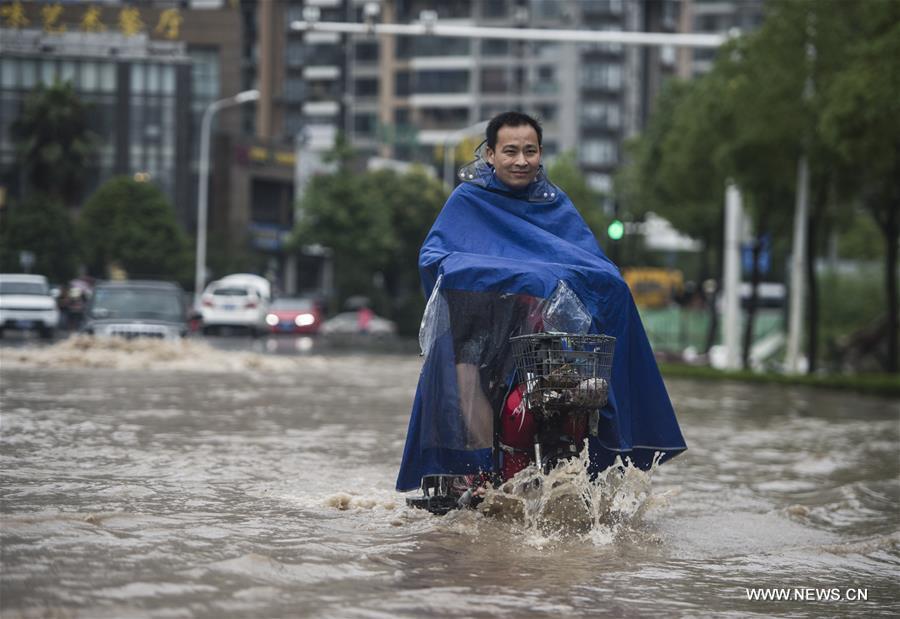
{"type": "Point", "coordinates": [861, 121]}
{"type": "Point", "coordinates": [374, 222]}
{"type": "Point", "coordinates": [819, 80]}
{"type": "Point", "coordinates": [131, 224]}
{"type": "Point", "coordinates": [53, 143]}
{"type": "Point", "coordinates": [42, 226]}
{"type": "Point", "coordinates": [565, 174]}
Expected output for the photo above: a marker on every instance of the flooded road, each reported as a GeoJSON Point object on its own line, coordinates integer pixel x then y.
{"type": "Point", "coordinates": [143, 480]}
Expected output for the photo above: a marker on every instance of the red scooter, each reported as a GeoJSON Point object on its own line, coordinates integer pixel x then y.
{"type": "Point", "coordinates": [562, 382]}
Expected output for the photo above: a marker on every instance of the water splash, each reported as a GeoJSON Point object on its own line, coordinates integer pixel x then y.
{"type": "Point", "coordinates": [567, 501]}
{"type": "Point", "coordinates": [88, 352]}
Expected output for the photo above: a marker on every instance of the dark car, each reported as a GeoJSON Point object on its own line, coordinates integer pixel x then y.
{"type": "Point", "coordinates": [138, 308]}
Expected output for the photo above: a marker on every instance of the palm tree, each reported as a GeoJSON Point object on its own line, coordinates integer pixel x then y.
{"type": "Point", "coordinates": [53, 143]}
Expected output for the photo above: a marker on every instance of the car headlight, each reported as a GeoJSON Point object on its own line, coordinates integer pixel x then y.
{"type": "Point", "coordinates": [304, 320]}
{"type": "Point", "coordinates": [271, 320]}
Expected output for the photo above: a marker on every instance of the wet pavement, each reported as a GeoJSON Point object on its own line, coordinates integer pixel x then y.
{"type": "Point", "coordinates": [228, 479]}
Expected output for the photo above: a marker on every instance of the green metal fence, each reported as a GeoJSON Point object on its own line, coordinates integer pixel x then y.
{"type": "Point", "coordinates": [673, 329]}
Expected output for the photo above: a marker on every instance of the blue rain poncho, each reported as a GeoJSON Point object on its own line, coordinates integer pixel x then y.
{"type": "Point", "coordinates": [499, 263]}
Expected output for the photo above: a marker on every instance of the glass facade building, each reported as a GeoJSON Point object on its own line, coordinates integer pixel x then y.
{"type": "Point", "coordinates": [136, 103]}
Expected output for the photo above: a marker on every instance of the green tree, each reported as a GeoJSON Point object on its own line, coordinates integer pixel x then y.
{"type": "Point", "coordinates": [762, 149]}
{"type": "Point", "coordinates": [225, 255]}
{"type": "Point", "coordinates": [861, 121]}
{"type": "Point", "coordinates": [780, 76]}
{"type": "Point", "coordinates": [53, 143]}
{"type": "Point", "coordinates": [131, 224]}
{"type": "Point", "coordinates": [677, 168]}
{"type": "Point", "coordinates": [565, 173]}
{"type": "Point", "coordinates": [42, 226]}
{"type": "Point", "coordinates": [414, 200]}
{"type": "Point", "coordinates": [750, 120]}
{"type": "Point", "coordinates": [374, 223]}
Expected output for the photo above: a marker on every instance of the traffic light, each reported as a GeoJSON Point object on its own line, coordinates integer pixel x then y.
{"type": "Point", "coordinates": [616, 230]}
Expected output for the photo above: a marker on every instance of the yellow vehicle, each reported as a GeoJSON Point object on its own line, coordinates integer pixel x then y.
{"type": "Point", "coordinates": [653, 287]}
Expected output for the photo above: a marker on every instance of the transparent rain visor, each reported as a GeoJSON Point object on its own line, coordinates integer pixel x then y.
{"type": "Point", "coordinates": [468, 357]}
{"type": "Point", "coordinates": [480, 172]}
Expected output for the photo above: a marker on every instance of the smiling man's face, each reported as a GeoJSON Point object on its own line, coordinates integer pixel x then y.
{"type": "Point", "coordinates": [517, 156]}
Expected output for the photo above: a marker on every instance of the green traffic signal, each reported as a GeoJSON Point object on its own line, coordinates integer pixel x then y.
{"type": "Point", "coordinates": [616, 230]}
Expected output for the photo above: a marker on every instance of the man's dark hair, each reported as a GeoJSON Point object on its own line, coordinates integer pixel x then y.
{"type": "Point", "coordinates": [510, 119]}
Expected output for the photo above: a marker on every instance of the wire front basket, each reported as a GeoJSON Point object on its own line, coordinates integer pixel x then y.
{"type": "Point", "coordinates": [562, 372]}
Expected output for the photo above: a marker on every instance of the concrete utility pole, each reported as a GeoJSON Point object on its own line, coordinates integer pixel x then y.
{"type": "Point", "coordinates": [793, 355]}
{"type": "Point", "coordinates": [731, 313]}
{"type": "Point", "coordinates": [798, 268]}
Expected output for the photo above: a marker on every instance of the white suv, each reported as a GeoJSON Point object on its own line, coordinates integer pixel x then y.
{"type": "Point", "coordinates": [26, 304]}
{"type": "Point", "coordinates": [237, 301]}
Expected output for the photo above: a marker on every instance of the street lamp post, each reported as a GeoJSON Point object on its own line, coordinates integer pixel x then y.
{"type": "Point", "coordinates": [203, 189]}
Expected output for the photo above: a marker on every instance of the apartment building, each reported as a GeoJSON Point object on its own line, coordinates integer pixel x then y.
{"type": "Point", "coordinates": [714, 16]}
{"type": "Point", "coordinates": [395, 97]}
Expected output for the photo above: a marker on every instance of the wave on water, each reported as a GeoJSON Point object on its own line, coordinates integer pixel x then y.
{"type": "Point", "coordinates": [889, 543]}
{"type": "Point", "coordinates": [545, 508]}
{"type": "Point", "coordinates": [344, 501]}
{"type": "Point", "coordinates": [567, 501]}
{"type": "Point", "coordinates": [85, 351]}
{"type": "Point", "coordinates": [556, 506]}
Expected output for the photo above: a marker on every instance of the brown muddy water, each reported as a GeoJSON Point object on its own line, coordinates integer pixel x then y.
{"type": "Point", "coordinates": [151, 480]}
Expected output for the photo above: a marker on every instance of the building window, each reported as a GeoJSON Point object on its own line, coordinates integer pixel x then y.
{"type": "Point", "coordinates": [494, 8]}
{"type": "Point", "coordinates": [294, 89]}
{"type": "Point", "coordinates": [489, 111]}
{"type": "Point", "coordinates": [153, 82]}
{"type": "Point", "coordinates": [10, 69]}
{"type": "Point", "coordinates": [294, 13]}
{"type": "Point", "coordinates": [29, 73]}
{"type": "Point", "coordinates": [545, 80]}
{"type": "Point", "coordinates": [604, 76]}
{"type": "Point", "coordinates": [293, 123]}
{"type": "Point", "coordinates": [444, 118]}
{"type": "Point", "coordinates": [598, 152]}
{"type": "Point", "coordinates": [204, 75]}
{"type": "Point", "coordinates": [365, 124]}
{"type": "Point", "coordinates": [546, 9]}
{"type": "Point", "coordinates": [68, 71]}
{"type": "Point", "coordinates": [415, 47]}
{"type": "Point", "coordinates": [494, 80]}
{"type": "Point", "coordinates": [434, 82]}
{"type": "Point", "coordinates": [366, 87]}
{"type": "Point", "coordinates": [546, 113]}
{"type": "Point", "coordinates": [402, 84]}
{"type": "Point", "coordinates": [600, 114]}
{"type": "Point", "coordinates": [90, 76]}
{"type": "Point", "coordinates": [271, 202]}
{"type": "Point", "coordinates": [167, 80]}
{"type": "Point", "coordinates": [494, 47]}
{"type": "Point", "coordinates": [296, 53]}
{"type": "Point", "coordinates": [366, 51]}
{"type": "Point", "coordinates": [613, 6]}
{"type": "Point", "coordinates": [548, 50]}
{"type": "Point", "coordinates": [600, 182]}
{"type": "Point", "coordinates": [48, 72]}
